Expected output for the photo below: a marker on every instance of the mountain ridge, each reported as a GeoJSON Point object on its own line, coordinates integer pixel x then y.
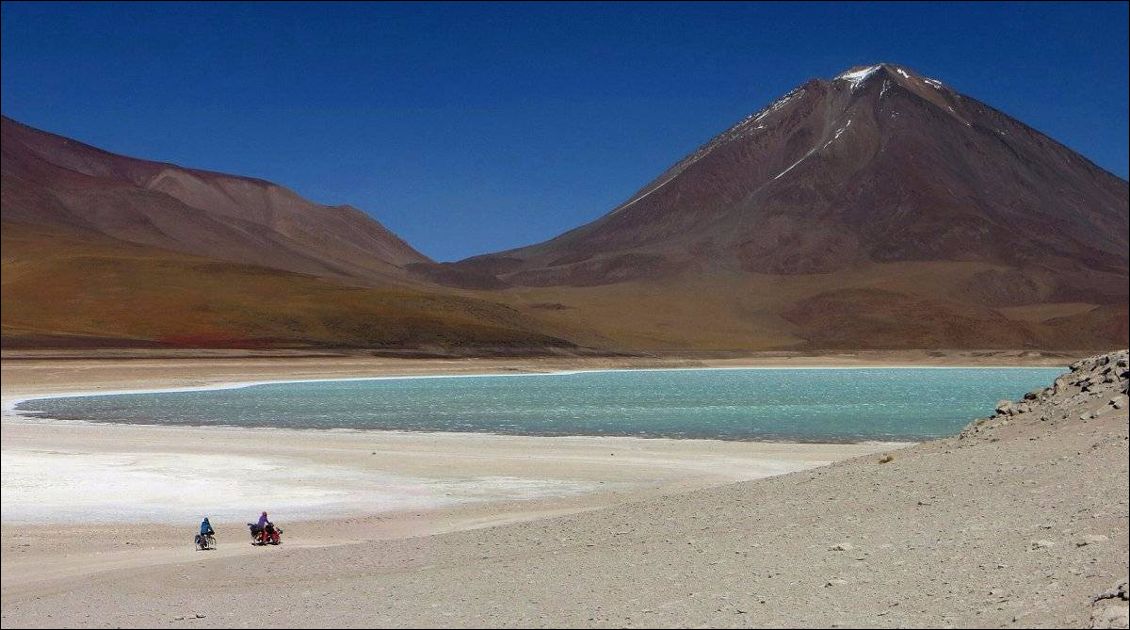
{"type": "Point", "coordinates": [50, 179]}
{"type": "Point", "coordinates": [876, 209]}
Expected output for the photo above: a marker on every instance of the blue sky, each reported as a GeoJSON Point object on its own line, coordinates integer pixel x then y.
{"type": "Point", "coordinates": [469, 128]}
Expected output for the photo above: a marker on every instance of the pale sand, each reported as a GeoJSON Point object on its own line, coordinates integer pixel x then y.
{"type": "Point", "coordinates": [147, 485]}
{"type": "Point", "coordinates": [940, 536]}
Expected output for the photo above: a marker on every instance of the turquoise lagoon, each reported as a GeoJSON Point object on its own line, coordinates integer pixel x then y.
{"type": "Point", "coordinates": [807, 405]}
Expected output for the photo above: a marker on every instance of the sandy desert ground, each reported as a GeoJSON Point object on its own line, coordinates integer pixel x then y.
{"type": "Point", "coordinates": [1020, 522]}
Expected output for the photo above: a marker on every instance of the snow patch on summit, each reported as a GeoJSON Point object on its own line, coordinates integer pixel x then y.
{"type": "Point", "coordinates": [857, 77]}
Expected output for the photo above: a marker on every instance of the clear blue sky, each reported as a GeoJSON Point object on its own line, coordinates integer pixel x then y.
{"type": "Point", "coordinates": [469, 128]}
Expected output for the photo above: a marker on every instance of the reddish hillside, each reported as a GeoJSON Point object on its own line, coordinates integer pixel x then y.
{"type": "Point", "coordinates": [854, 179]}
{"type": "Point", "coordinates": [49, 180]}
{"type": "Point", "coordinates": [880, 209]}
{"type": "Point", "coordinates": [877, 165]}
{"type": "Point", "coordinates": [69, 288]}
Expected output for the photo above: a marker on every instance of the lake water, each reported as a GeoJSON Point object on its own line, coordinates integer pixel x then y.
{"type": "Point", "coordinates": [808, 405]}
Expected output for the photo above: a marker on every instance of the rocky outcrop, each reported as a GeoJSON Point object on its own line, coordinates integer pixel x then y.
{"type": "Point", "coordinates": [1111, 608]}
{"type": "Point", "coordinates": [1094, 386]}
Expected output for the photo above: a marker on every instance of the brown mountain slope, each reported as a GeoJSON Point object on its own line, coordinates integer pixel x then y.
{"type": "Point", "coordinates": [878, 209]}
{"type": "Point", "coordinates": [49, 180]}
{"type": "Point", "coordinates": [877, 306]}
{"type": "Point", "coordinates": [64, 287]}
{"type": "Point", "coordinates": [105, 250]}
{"type": "Point", "coordinates": [878, 165]}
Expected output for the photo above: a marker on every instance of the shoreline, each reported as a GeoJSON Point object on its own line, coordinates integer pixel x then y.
{"type": "Point", "coordinates": [729, 533]}
{"type": "Point", "coordinates": [11, 414]}
{"type": "Point", "coordinates": [491, 475]}
{"type": "Point", "coordinates": [328, 474]}
{"type": "Point", "coordinates": [43, 377]}
{"type": "Point", "coordinates": [8, 404]}
{"type": "Point", "coordinates": [299, 432]}
{"type": "Point", "coordinates": [533, 473]}
{"type": "Point", "coordinates": [494, 473]}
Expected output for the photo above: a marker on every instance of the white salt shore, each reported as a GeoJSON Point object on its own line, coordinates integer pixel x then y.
{"type": "Point", "coordinates": [77, 472]}
{"type": "Point", "coordinates": [83, 487]}
{"type": "Point", "coordinates": [1021, 523]}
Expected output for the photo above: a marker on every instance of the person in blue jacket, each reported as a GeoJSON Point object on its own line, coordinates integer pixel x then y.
{"type": "Point", "coordinates": [205, 531]}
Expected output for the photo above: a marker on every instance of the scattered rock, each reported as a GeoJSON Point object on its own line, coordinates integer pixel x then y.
{"type": "Point", "coordinates": [1091, 539]}
{"type": "Point", "coordinates": [1110, 608]}
{"type": "Point", "coordinates": [1118, 592]}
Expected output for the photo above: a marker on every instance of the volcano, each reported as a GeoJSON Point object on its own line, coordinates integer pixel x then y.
{"type": "Point", "coordinates": [879, 164]}
{"type": "Point", "coordinates": [880, 209]}
{"type": "Point", "coordinates": [878, 195]}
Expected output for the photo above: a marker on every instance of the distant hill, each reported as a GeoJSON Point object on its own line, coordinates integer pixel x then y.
{"type": "Point", "coordinates": [75, 290]}
{"type": "Point", "coordinates": [53, 181]}
{"type": "Point", "coordinates": [879, 209]}
{"type": "Point", "coordinates": [105, 250]}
